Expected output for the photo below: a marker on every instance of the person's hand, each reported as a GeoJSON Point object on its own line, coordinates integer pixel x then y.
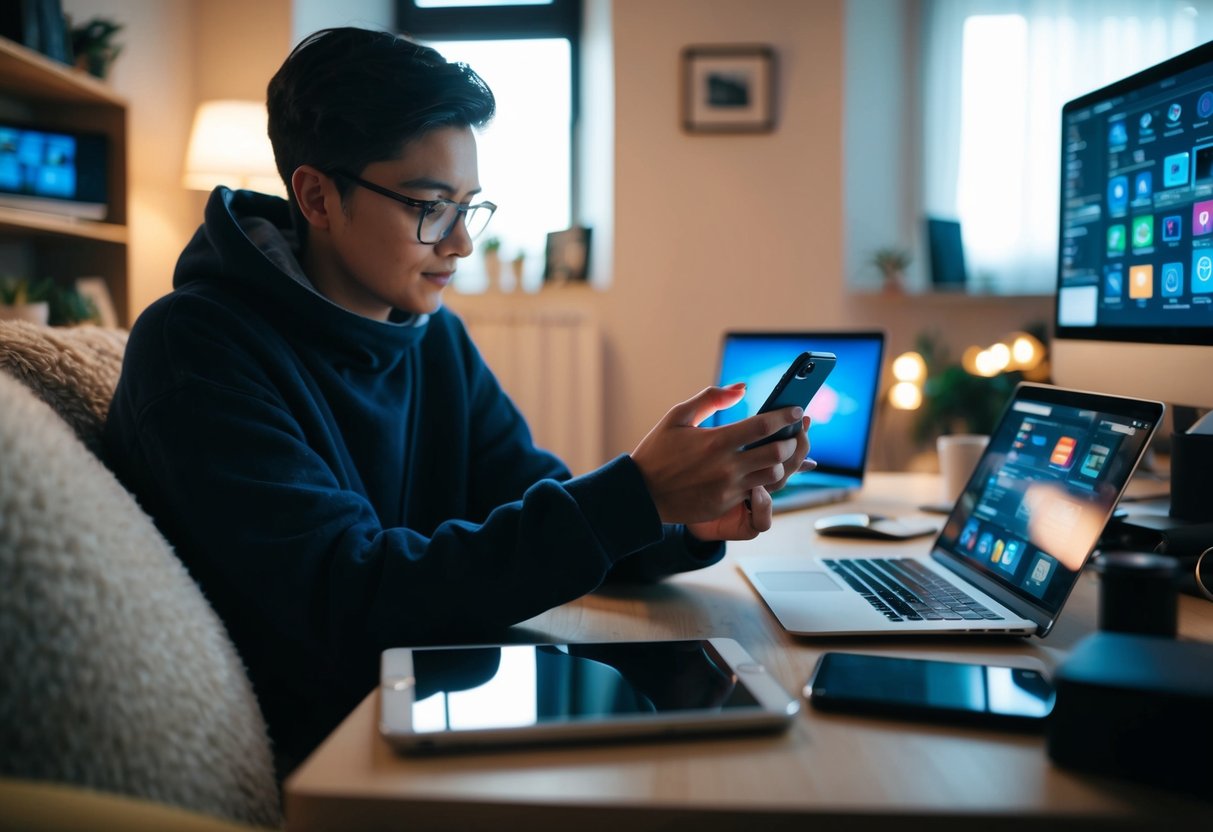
{"type": "Point", "coordinates": [696, 475]}
{"type": "Point", "coordinates": [744, 521]}
{"type": "Point", "coordinates": [799, 461]}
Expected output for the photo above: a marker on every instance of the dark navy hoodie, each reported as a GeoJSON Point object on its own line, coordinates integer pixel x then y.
{"type": "Point", "coordinates": [339, 485]}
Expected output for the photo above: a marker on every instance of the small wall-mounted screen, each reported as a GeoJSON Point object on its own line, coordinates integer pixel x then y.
{"type": "Point", "coordinates": [947, 253]}
{"type": "Point", "coordinates": [55, 171]}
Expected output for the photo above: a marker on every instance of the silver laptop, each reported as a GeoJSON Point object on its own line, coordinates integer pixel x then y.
{"type": "Point", "coordinates": [1013, 546]}
{"type": "Point", "coordinates": [842, 411]}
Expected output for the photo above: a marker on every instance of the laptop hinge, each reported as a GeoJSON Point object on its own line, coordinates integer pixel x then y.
{"type": "Point", "coordinates": [1042, 618]}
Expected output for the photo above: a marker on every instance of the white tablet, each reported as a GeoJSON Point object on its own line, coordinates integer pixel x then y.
{"type": "Point", "coordinates": [433, 699]}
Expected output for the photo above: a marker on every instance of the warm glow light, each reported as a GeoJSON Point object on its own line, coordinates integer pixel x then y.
{"type": "Point", "coordinates": [905, 395]}
{"type": "Point", "coordinates": [969, 360]}
{"type": "Point", "coordinates": [909, 366]}
{"type": "Point", "coordinates": [229, 146]}
{"type": "Point", "coordinates": [1027, 351]}
{"type": "Point", "coordinates": [986, 364]}
{"type": "Point", "coordinates": [1000, 354]}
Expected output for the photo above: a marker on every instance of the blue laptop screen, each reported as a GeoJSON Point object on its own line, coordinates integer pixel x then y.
{"type": "Point", "coordinates": [842, 411]}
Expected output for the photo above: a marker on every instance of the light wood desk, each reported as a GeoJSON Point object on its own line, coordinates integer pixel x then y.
{"type": "Point", "coordinates": [827, 771]}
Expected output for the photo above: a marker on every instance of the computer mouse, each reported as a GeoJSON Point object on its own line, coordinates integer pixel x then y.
{"type": "Point", "coordinates": [873, 526]}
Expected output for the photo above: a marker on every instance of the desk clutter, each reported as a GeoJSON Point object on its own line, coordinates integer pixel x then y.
{"type": "Point", "coordinates": [1138, 707]}
{"type": "Point", "coordinates": [1132, 701]}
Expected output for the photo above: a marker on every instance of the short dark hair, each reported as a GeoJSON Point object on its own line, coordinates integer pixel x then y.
{"type": "Point", "coordinates": [347, 97]}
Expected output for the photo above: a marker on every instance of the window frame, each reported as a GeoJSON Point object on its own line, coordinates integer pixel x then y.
{"type": "Point", "coordinates": [558, 19]}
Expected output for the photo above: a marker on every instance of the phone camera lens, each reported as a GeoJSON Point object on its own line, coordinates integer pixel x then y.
{"type": "Point", "coordinates": [805, 370]}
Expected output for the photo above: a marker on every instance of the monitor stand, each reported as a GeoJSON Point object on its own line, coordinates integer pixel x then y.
{"type": "Point", "coordinates": [1151, 515]}
{"type": "Point", "coordinates": [1144, 520]}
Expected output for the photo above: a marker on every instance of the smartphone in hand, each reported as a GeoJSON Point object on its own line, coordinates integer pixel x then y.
{"type": "Point", "coordinates": [797, 386]}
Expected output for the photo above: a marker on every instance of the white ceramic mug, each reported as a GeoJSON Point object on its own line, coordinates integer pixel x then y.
{"type": "Point", "coordinates": [958, 455]}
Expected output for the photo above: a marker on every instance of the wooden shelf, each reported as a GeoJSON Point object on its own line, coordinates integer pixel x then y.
{"type": "Point", "coordinates": [17, 220]}
{"type": "Point", "coordinates": [38, 91]}
{"type": "Point", "coordinates": [26, 74]}
{"type": "Point", "coordinates": [942, 295]}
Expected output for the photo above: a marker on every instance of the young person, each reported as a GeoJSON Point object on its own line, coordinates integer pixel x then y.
{"type": "Point", "coordinates": [324, 446]}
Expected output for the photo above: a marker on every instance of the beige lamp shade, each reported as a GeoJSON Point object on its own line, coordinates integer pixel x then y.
{"type": "Point", "coordinates": [229, 146]}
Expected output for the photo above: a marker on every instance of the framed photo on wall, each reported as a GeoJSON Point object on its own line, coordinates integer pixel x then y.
{"type": "Point", "coordinates": [567, 256]}
{"type": "Point", "coordinates": [728, 89]}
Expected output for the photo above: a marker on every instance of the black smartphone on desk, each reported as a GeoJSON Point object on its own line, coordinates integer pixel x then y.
{"type": "Point", "coordinates": [797, 386]}
{"type": "Point", "coordinates": [954, 692]}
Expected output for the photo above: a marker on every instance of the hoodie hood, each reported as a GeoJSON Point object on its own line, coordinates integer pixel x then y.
{"type": "Point", "coordinates": [247, 246]}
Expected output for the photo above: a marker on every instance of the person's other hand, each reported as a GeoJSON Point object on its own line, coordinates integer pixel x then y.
{"type": "Point", "coordinates": [799, 461]}
{"type": "Point", "coordinates": [696, 475]}
{"type": "Point", "coordinates": [744, 521]}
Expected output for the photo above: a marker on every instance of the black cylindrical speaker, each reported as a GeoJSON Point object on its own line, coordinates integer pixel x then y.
{"type": "Point", "coordinates": [1138, 593]}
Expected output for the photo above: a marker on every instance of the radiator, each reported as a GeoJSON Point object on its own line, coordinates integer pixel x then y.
{"type": "Point", "coordinates": [550, 364]}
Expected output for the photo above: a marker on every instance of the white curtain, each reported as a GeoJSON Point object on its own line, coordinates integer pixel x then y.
{"type": "Point", "coordinates": [995, 76]}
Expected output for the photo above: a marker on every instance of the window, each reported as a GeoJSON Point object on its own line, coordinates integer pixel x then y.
{"type": "Point", "coordinates": [997, 73]}
{"type": "Point", "coordinates": [527, 52]}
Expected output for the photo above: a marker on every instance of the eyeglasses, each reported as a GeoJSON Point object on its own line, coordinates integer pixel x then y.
{"type": "Point", "coordinates": [438, 216]}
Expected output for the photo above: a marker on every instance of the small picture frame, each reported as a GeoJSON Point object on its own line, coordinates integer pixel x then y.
{"type": "Point", "coordinates": [728, 89]}
{"type": "Point", "coordinates": [567, 256]}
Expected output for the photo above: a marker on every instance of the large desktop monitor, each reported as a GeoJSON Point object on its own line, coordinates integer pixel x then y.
{"type": "Point", "coordinates": [1134, 312]}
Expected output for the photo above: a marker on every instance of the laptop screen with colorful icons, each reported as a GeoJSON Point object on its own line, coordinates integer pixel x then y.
{"type": "Point", "coordinates": [1041, 494]}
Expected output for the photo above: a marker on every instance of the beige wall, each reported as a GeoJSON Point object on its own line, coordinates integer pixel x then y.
{"type": "Point", "coordinates": [718, 232]}
{"type": "Point", "coordinates": [714, 232]}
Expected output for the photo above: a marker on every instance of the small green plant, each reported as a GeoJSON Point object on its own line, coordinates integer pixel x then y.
{"type": "Point", "coordinates": [67, 306]}
{"type": "Point", "coordinates": [892, 263]}
{"type": "Point", "coordinates": [93, 47]}
{"type": "Point", "coordinates": [491, 246]}
{"type": "Point", "coordinates": [14, 292]}
{"type": "Point", "coordinates": [890, 260]}
{"type": "Point", "coordinates": [954, 400]}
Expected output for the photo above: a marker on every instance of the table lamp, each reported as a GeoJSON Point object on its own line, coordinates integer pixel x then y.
{"type": "Point", "coordinates": [229, 146]}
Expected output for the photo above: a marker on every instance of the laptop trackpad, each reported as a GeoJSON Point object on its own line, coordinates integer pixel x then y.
{"type": "Point", "coordinates": [797, 581]}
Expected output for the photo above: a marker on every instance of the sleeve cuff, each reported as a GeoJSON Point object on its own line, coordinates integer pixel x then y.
{"type": "Point", "coordinates": [617, 505]}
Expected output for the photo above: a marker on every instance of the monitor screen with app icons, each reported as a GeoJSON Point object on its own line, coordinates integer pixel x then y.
{"type": "Point", "coordinates": [1136, 243]}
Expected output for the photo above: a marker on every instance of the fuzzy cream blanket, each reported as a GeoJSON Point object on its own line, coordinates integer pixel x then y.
{"type": "Point", "coordinates": [115, 673]}
{"type": "Point", "coordinates": [74, 370]}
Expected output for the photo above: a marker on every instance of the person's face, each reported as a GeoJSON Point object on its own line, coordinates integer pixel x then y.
{"type": "Point", "coordinates": [373, 262]}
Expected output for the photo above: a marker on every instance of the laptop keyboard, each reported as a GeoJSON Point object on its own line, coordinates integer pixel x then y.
{"type": "Point", "coordinates": [902, 589]}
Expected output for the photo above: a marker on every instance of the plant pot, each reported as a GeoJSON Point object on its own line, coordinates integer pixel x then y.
{"type": "Point", "coordinates": [492, 269]}
{"type": "Point", "coordinates": [97, 63]}
{"type": "Point", "coordinates": [35, 313]}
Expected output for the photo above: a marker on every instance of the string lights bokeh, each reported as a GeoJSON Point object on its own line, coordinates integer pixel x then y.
{"type": "Point", "coordinates": [910, 370]}
{"type": "Point", "coordinates": [1018, 352]}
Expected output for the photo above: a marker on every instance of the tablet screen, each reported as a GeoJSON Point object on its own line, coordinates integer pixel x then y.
{"type": "Point", "coordinates": [478, 688]}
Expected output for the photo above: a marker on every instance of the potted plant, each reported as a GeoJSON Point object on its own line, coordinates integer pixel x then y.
{"type": "Point", "coordinates": [45, 302]}
{"type": "Point", "coordinates": [93, 48]}
{"type": "Point", "coordinates": [17, 305]}
{"type": "Point", "coordinates": [953, 399]}
{"type": "Point", "coordinates": [892, 264]}
{"type": "Point", "coordinates": [517, 265]}
{"type": "Point", "coordinates": [492, 261]}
